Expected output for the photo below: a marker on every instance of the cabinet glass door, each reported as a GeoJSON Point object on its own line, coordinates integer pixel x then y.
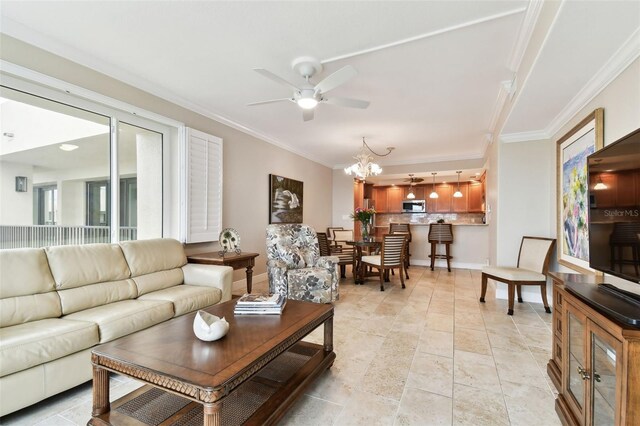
{"type": "Point", "coordinates": [603, 359]}
{"type": "Point", "coordinates": [576, 354]}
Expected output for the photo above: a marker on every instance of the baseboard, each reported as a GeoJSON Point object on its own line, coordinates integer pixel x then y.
{"type": "Point", "coordinates": [443, 264]}
{"type": "Point", "coordinates": [530, 294]}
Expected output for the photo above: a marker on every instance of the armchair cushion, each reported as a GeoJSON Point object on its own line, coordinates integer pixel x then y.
{"type": "Point", "coordinates": [292, 256]}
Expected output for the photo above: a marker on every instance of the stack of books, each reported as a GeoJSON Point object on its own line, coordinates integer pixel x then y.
{"type": "Point", "coordinates": [260, 304]}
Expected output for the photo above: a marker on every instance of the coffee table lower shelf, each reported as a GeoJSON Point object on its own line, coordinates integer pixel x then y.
{"type": "Point", "coordinates": [263, 399]}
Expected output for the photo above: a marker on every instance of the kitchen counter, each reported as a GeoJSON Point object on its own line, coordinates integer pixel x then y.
{"type": "Point", "coordinates": [470, 248]}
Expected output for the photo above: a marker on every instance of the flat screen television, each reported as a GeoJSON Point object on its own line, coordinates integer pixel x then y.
{"type": "Point", "coordinates": [614, 208]}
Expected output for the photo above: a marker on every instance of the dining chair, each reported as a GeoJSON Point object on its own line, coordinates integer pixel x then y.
{"type": "Point", "coordinates": [391, 257]}
{"type": "Point", "coordinates": [402, 228]}
{"type": "Point", "coordinates": [531, 269]}
{"type": "Point", "coordinates": [323, 244]}
{"type": "Point", "coordinates": [330, 230]}
{"type": "Point", "coordinates": [345, 252]}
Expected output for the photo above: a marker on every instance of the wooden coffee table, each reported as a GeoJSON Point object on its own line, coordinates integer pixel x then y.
{"type": "Point", "coordinates": [250, 376]}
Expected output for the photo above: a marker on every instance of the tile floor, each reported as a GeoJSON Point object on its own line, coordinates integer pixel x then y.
{"type": "Point", "coordinates": [430, 354]}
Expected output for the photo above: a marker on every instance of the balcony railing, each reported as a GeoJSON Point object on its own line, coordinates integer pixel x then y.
{"type": "Point", "coordinates": [16, 236]}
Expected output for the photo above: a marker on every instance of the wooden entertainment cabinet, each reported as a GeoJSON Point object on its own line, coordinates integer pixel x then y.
{"type": "Point", "coordinates": [595, 362]}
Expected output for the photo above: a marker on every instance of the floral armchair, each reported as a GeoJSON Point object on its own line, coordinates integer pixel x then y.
{"type": "Point", "coordinates": [295, 267]}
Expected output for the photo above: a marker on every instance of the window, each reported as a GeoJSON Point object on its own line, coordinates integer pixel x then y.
{"type": "Point", "coordinates": [94, 176]}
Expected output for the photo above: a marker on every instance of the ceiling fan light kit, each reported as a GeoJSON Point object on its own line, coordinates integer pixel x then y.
{"type": "Point", "coordinates": [307, 96]}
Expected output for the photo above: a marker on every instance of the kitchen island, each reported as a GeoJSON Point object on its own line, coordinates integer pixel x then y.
{"type": "Point", "coordinates": [470, 248]}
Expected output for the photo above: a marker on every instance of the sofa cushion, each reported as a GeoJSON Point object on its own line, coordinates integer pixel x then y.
{"type": "Point", "coordinates": [17, 310]}
{"type": "Point", "coordinates": [158, 280]}
{"type": "Point", "coordinates": [78, 265]}
{"type": "Point", "coordinates": [147, 256]}
{"type": "Point", "coordinates": [25, 345]}
{"type": "Point", "coordinates": [92, 295]}
{"type": "Point", "coordinates": [186, 298]}
{"type": "Point", "coordinates": [26, 287]}
{"type": "Point", "coordinates": [121, 318]}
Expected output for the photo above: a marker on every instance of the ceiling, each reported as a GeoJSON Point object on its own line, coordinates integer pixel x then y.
{"type": "Point", "coordinates": [432, 70]}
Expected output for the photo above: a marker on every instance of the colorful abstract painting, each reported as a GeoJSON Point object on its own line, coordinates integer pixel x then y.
{"type": "Point", "coordinates": [573, 190]}
{"type": "Point", "coordinates": [574, 197]}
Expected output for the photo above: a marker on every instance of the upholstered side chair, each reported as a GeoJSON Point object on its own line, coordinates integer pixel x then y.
{"type": "Point", "coordinates": [402, 228]}
{"type": "Point", "coordinates": [391, 257]}
{"type": "Point", "coordinates": [531, 269]}
{"type": "Point", "coordinates": [295, 267]}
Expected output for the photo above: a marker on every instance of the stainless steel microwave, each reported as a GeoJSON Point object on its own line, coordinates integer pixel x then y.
{"type": "Point", "coordinates": [414, 206]}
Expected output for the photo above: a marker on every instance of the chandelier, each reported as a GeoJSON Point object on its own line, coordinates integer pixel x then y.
{"type": "Point", "coordinates": [364, 165]}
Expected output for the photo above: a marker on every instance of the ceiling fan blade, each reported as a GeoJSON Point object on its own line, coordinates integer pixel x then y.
{"type": "Point", "coordinates": [336, 79]}
{"type": "Point", "coordinates": [307, 114]}
{"type": "Point", "coordinates": [271, 76]}
{"type": "Point", "coordinates": [269, 101]}
{"type": "Point", "coordinates": [348, 102]}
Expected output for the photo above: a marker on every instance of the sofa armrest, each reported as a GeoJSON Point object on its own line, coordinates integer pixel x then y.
{"type": "Point", "coordinates": [210, 276]}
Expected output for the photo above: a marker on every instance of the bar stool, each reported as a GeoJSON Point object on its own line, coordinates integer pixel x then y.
{"type": "Point", "coordinates": [440, 233]}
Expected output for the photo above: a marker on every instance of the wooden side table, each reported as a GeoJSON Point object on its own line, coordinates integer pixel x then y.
{"type": "Point", "coordinates": [236, 261]}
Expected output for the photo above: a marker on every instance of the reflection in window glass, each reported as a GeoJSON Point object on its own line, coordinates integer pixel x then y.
{"type": "Point", "coordinates": [140, 167]}
{"type": "Point", "coordinates": [64, 153]}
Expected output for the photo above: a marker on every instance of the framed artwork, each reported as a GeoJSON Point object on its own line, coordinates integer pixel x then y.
{"type": "Point", "coordinates": [573, 189]}
{"type": "Point", "coordinates": [285, 200]}
{"type": "Point", "coordinates": [21, 184]}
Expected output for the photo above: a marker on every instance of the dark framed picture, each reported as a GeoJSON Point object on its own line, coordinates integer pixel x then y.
{"type": "Point", "coordinates": [285, 200]}
{"type": "Point", "coordinates": [21, 184]}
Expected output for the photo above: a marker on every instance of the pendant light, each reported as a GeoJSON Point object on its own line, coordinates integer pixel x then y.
{"type": "Point", "coordinates": [458, 194]}
{"type": "Point", "coordinates": [600, 185]}
{"type": "Point", "coordinates": [434, 194]}
{"type": "Point", "coordinates": [411, 195]}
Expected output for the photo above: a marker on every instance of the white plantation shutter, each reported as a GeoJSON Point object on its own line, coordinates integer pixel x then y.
{"type": "Point", "coordinates": [203, 178]}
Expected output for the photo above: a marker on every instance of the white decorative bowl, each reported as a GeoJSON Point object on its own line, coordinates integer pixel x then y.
{"type": "Point", "coordinates": [209, 327]}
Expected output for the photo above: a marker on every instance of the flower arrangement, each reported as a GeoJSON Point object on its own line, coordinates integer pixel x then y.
{"type": "Point", "coordinates": [363, 215]}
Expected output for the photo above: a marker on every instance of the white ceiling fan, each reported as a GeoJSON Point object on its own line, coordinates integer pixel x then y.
{"type": "Point", "coordinates": [308, 96]}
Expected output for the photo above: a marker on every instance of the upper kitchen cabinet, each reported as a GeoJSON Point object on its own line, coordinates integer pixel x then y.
{"type": "Point", "coordinates": [395, 195]}
{"type": "Point", "coordinates": [380, 199]}
{"type": "Point", "coordinates": [445, 195]}
{"type": "Point", "coordinates": [461, 205]}
{"type": "Point", "coordinates": [476, 197]}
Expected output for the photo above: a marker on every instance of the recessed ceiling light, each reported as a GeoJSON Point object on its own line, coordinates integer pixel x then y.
{"type": "Point", "coordinates": [68, 147]}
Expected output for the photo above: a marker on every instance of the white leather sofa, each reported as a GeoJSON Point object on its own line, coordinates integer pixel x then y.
{"type": "Point", "coordinates": [56, 303]}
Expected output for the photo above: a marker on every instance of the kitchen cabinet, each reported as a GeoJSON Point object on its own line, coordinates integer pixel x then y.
{"type": "Point", "coordinates": [395, 195]}
{"type": "Point", "coordinates": [595, 362]}
{"type": "Point", "coordinates": [476, 197]}
{"type": "Point", "coordinates": [461, 205]}
{"type": "Point", "coordinates": [418, 191]}
{"type": "Point", "coordinates": [443, 202]}
{"type": "Point", "coordinates": [358, 194]}
{"type": "Point", "coordinates": [380, 199]}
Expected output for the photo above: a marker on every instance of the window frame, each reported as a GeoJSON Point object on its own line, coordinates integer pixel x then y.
{"type": "Point", "coordinates": [21, 79]}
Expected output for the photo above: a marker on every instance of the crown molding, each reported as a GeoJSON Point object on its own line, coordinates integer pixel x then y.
{"type": "Point", "coordinates": [524, 35]}
{"type": "Point", "coordinates": [534, 135]}
{"type": "Point", "coordinates": [621, 59]}
{"type": "Point", "coordinates": [30, 36]}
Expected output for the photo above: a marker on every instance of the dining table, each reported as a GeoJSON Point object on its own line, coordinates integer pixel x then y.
{"type": "Point", "coordinates": [364, 245]}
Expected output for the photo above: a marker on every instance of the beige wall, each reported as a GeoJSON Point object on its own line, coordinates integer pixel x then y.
{"type": "Point", "coordinates": [247, 160]}
{"type": "Point", "coordinates": [525, 202]}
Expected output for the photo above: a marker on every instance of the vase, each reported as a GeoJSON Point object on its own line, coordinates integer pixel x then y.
{"type": "Point", "coordinates": [364, 227]}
